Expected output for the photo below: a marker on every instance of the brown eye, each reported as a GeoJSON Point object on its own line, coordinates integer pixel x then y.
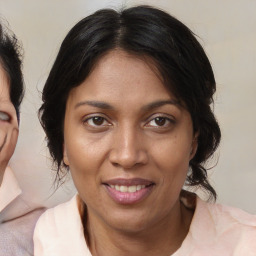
{"type": "Point", "coordinates": [160, 121]}
{"type": "Point", "coordinates": [97, 121]}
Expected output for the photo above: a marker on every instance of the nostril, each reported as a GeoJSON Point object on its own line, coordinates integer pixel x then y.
{"type": "Point", "coordinates": [115, 164]}
{"type": "Point", "coordinates": [128, 154]}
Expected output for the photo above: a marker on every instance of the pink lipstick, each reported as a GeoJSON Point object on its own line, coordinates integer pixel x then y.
{"type": "Point", "coordinates": [128, 191]}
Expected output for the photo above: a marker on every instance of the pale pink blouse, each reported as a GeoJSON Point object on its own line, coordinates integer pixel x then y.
{"type": "Point", "coordinates": [216, 230]}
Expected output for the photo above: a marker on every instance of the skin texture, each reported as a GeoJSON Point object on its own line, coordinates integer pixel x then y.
{"type": "Point", "coordinates": [127, 142]}
{"type": "Point", "coordinates": [8, 124]}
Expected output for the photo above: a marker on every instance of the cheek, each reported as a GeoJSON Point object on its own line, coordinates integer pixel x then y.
{"type": "Point", "coordinates": [172, 158]}
{"type": "Point", "coordinates": [172, 153]}
{"type": "Point", "coordinates": [85, 155]}
{"type": "Point", "coordinates": [82, 167]}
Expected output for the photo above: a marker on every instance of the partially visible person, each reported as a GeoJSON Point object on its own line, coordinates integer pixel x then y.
{"type": "Point", "coordinates": [17, 215]}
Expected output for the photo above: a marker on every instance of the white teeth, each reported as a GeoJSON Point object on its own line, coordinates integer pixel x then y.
{"type": "Point", "coordinates": [123, 188]}
{"type": "Point", "coordinates": [139, 187]}
{"type": "Point", "coordinates": [130, 189]}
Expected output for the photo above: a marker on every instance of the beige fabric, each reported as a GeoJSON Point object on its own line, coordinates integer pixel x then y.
{"type": "Point", "coordinates": [8, 192]}
{"type": "Point", "coordinates": [60, 232]}
{"type": "Point", "coordinates": [17, 219]}
{"type": "Point", "coordinates": [216, 230]}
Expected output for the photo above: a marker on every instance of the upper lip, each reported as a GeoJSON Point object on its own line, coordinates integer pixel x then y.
{"type": "Point", "coordinates": [128, 182]}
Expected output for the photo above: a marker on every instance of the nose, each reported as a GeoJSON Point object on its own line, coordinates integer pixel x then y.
{"type": "Point", "coordinates": [128, 148]}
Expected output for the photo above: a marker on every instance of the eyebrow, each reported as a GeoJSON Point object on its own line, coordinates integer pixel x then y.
{"type": "Point", "coordinates": [160, 103]}
{"type": "Point", "coordinates": [148, 107]}
{"type": "Point", "coordinates": [97, 104]}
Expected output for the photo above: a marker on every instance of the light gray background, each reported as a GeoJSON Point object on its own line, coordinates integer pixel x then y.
{"type": "Point", "coordinates": [227, 30]}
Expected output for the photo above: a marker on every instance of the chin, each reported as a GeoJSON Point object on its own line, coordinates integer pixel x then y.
{"type": "Point", "coordinates": [129, 221]}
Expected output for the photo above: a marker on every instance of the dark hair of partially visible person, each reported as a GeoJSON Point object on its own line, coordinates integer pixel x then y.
{"type": "Point", "coordinates": [143, 31]}
{"type": "Point", "coordinates": [11, 62]}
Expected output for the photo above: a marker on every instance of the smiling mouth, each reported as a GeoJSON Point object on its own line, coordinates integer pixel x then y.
{"type": "Point", "coordinates": [131, 191]}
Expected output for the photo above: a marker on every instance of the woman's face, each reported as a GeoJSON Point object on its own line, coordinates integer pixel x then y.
{"type": "Point", "coordinates": [128, 143]}
{"type": "Point", "coordinates": [8, 123]}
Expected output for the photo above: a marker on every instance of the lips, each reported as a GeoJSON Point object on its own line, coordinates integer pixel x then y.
{"type": "Point", "coordinates": [128, 191]}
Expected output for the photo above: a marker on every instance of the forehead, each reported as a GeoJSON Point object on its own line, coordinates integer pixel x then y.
{"type": "Point", "coordinates": [120, 75]}
{"type": "Point", "coordinates": [4, 84]}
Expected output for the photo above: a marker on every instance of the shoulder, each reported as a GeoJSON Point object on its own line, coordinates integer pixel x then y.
{"type": "Point", "coordinates": [52, 219]}
{"type": "Point", "coordinates": [224, 228]}
{"type": "Point", "coordinates": [59, 231]}
{"type": "Point", "coordinates": [17, 234]}
{"type": "Point", "coordinates": [15, 203]}
{"type": "Point", "coordinates": [227, 214]}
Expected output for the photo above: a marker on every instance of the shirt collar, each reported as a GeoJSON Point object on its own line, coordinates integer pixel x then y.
{"type": "Point", "coordinates": [9, 188]}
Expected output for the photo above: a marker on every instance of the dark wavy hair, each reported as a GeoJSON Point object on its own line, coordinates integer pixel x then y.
{"type": "Point", "coordinates": [11, 61]}
{"type": "Point", "coordinates": [141, 31]}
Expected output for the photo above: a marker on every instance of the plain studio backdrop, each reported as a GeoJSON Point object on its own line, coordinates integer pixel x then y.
{"type": "Point", "coordinates": [227, 31]}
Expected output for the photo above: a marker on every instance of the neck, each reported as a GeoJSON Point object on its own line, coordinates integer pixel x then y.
{"type": "Point", "coordinates": [162, 238]}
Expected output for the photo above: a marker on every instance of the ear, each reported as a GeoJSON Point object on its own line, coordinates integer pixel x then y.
{"type": "Point", "coordinates": [65, 157]}
{"type": "Point", "coordinates": [194, 145]}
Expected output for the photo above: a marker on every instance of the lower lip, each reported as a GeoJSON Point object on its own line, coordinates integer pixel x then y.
{"type": "Point", "coordinates": [128, 198]}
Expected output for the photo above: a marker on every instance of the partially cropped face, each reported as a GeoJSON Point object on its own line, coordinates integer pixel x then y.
{"type": "Point", "coordinates": [128, 144]}
{"type": "Point", "coordinates": [8, 123]}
